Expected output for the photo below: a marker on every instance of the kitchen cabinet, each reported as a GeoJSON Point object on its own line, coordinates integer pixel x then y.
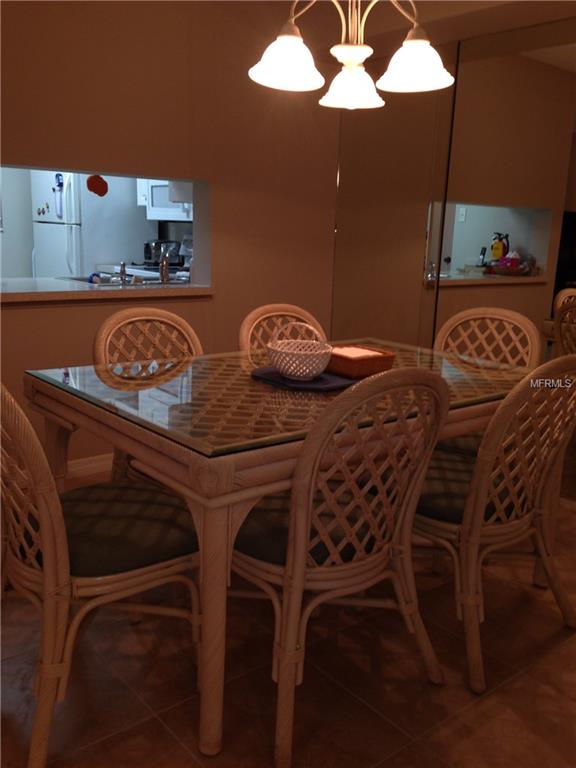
{"type": "Point", "coordinates": [155, 194]}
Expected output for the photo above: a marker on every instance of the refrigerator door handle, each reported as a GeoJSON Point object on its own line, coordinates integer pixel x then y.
{"type": "Point", "coordinates": [33, 262]}
{"type": "Point", "coordinates": [68, 199]}
{"type": "Point", "coordinates": [69, 248]}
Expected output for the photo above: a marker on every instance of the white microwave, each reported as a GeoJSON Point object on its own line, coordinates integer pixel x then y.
{"type": "Point", "coordinates": [155, 195]}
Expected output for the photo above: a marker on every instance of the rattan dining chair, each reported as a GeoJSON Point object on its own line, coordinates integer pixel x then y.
{"type": "Point", "coordinates": [87, 548]}
{"type": "Point", "coordinates": [347, 524]}
{"type": "Point", "coordinates": [493, 334]}
{"type": "Point", "coordinates": [478, 502]}
{"type": "Point", "coordinates": [565, 296]}
{"type": "Point", "coordinates": [565, 325]}
{"type": "Point", "coordinates": [143, 336]}
{"type": "Point", "coordinates": [261, 325]}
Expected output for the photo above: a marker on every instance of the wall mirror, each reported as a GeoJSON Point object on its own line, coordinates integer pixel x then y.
{"type": "Point", "coordinates": [513, 130]}
{"type": "Point", "coordinates": [426, 184]}
{"type": "Point", "coordinates": [67, 225]}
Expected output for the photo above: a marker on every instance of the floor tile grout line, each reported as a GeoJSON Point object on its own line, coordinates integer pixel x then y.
{"type": "Point", "coordinates": [358, 698]}
{"type": "Point", "coordinates": [480, 698]}
{"type": "Point", "coordinates": [90, 744]}
{"type": "Point", "coordinates": [405, 748]}
{"type": "Point", "coordinates": [196, 754]}
{"type": "Point", "coordinates": [483, 697]}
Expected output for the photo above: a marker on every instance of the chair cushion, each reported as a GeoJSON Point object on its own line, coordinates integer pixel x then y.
{"type": "Point", "coordinates": [117, 527]}
{"type": "Point", "coordinates": [448, 479]}
{"type": "Point", "coordinates": [264, 533]}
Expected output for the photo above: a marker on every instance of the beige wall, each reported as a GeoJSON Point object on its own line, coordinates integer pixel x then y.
{"type": "Point", "coordinates": [160, 89]}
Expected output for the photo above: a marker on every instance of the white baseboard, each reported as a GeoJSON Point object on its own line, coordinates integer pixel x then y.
{"type": "Point", "coordinates": [91, 465]}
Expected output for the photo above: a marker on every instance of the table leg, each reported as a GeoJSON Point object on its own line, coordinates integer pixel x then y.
{"type": "Point", "coordinates": [56, 447]}
{"type": "Point", "coordinates": [213, 591]}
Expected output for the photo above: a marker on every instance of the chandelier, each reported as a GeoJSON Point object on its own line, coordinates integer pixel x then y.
{"type": "Point", "coordinates": [288, 65]}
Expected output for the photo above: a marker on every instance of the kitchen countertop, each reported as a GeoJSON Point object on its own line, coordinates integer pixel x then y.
{"type": "Point", "coordinates": [17, 290]}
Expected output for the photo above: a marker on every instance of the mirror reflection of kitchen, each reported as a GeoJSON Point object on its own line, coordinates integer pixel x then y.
{"type": "Point", "coordinates": [84, 226]}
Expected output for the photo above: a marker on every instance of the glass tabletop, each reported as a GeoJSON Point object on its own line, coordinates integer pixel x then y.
{"type": "Point", "coordinates": [212, 404]}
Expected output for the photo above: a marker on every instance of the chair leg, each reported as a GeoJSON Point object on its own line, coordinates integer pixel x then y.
{"type": "Point", "coordinates": [470, 601]}
{"type": "Point", "coordinates": [433, 668]}
{"type": "Point", "coordinates": [52, 672]}
{"type": "Point", "coordinates": [285, 713]}
{"type": "Point", "coordinates": [407, 597]}
{"type": "Point", "coordinates": [566, 607]}
{"type": "Point", "coordinates": [46, 698]}
{"type": "Point", "coordinates": [476, 675]}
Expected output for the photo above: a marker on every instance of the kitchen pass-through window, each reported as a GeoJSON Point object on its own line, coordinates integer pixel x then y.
{"type": "Point", "coordinates": [67, 225]}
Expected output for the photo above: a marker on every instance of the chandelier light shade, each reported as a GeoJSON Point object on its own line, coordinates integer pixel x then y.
{"type": "Point", "coordinates": [288, 65]}
{"type": "Point", "coordinates": [415, 67]}
{"type": "Point", "coordinates": [352, 88]}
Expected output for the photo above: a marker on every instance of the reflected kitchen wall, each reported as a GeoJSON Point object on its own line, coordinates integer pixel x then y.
{"type": "Point", "coordinates": [514, 123]}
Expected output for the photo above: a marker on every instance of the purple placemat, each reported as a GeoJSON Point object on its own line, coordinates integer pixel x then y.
{"type": "Point", "coordinates": [326, 382]}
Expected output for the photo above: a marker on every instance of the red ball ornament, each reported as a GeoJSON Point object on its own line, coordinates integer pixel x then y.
{"type": "Point", "coordinates": [97, 185]}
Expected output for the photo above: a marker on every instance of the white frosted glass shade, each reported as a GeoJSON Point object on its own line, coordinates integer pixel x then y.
{"type": "Point", "coordinates": [287, 65]}
{"type": "Point", "coordinates": [352, 88]}
{"type": "Point", "coordinates": [415, 67]}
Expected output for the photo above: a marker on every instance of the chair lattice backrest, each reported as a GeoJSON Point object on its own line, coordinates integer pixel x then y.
{"type": "Point", "coordinates": [525, 437]}
{"type": "Point", "coordinates": [31, 512]}
{"type": "Point", "coordinates": [565, 326]}
{"type": "Point", "coordinates": [146, 333]}
{"type": "Point", "coordinates": [565, 296]}
{"type": "Point", "coordinates": [493, 334]}
{"type": "Point", "coordinates": [262, 324]}
{"type": "Point", "coordinates": [362, 465]}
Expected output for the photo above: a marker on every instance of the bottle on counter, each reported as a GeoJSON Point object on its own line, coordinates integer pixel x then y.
{"type": "Point", "coordinates": [500, 246]}
{"type": "Point", "coordinates": [164, 268]}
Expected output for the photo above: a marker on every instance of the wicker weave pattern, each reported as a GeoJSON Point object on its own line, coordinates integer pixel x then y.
{"type": "Point", "coordinates": [38, 568]}
{"type": "Point", "coordinates": [20, 507]}
{"type": "Point", "coordinates": [213, 404]}
{"type": "Point", "coordinates": [512, 495]}
{"type": "Point", "coordinates": [565, 325]}
{"type": "Point", "coordinates": [565, 296]}
{"type": "Point", "coordinates": [30, 505]}
{"type": "Point", "coordinates": [523, 455]}
{"type": "Point", "coordinates": [145, 334]}
{"type": "Point", "coordinates": [143, 337]}
{"type": "Point", "coordinates": [264, 324]}
{"type": "Point", "coordinates": [492, 334]}
{"type": "Point", "coordinates": [357, 497]}
{"type": "Point", "coordinates": [354, 492]}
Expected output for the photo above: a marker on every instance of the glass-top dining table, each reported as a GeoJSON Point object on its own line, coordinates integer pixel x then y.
{"type": "Point", "coordinates": [223, 440]}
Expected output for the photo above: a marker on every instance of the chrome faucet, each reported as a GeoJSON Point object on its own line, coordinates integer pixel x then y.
{"type": "Point", "coordinates": [123, 276]}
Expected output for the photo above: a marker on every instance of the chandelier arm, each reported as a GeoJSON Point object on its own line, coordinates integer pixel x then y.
{"type": "Point", "coordinates": [293, 15]}
{"type": "Point", "coordinates": [338, 7]}
{"type": "Point", "coordinates": [413, 17]}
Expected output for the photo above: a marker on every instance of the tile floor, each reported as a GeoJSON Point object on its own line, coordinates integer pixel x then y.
{"type": "Point", "coordinates": [364, 702]}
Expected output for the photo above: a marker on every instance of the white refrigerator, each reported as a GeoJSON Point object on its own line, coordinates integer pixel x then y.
{"type": "Point", "coordinates": [56, 224]}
